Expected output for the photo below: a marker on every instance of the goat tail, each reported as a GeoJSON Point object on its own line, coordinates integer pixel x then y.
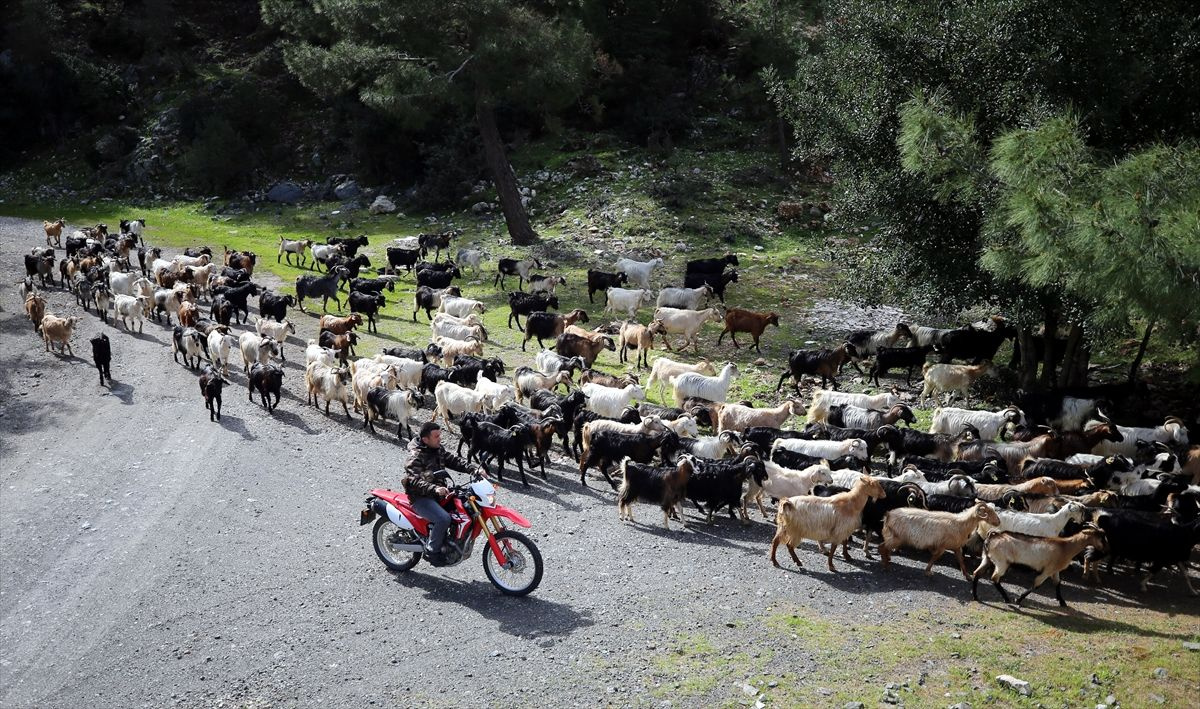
{"type": "Point", "coordinates": [625, 492]}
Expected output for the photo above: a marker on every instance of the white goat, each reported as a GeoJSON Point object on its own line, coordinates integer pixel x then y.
{"type": "Point", "coordinates": [664, 370]}
{"type": "Point", "coordinates": [818, 411]}
{"type": "Point", "coordinates": [1172, 432]}
{"type": "Point", "coordinates": [608, 401]}
{"type": "Point", "coordinates": [452, 348]}
{"type": "Point", "coordinates": [256, 348]}
{"type": "Point", "coordinates": [951, 378]}
{"type": "Point", "coordinates": [735, 417]}
{"type": "Point", "coordinates": [551, 362]}
{"type": "Point", "coordinates": [828, 450]}
{"type": "Point", "coordinates": [277, 331]}
{"type": "Point", "coordinates": [408, 371]}
{"type": "Point", "coordinates": [458, 332]}
{"type": "Point", "coordinates": [637, 271]}
{"type": "Point", "coordinates": [495, 394]}
{"type": "Point", "coordinates": [627, 300]}
{"type": "Point", "coordinates": [220, 344]}
{"type": "Point", "coordinates": [784, 482]}
{"type": "Point", "coordinates": [698, 385]}
{"type": "Point", "coordinates": [951, 421]}
{"type": "Point", "coordinates": [318, 354]}
{"type": "Point", "coordinates": [460, 307]}
{"type": "Point", "coordinates": [530, 380]}
{"type": "Point", "coordinates": [1037, 525]}
{"type": "Point", "coordinates": [454, 400]}
{"type": "Point", "coordinates": [685, 298]}
{"type": "Point", "coordinates": [687, 323]}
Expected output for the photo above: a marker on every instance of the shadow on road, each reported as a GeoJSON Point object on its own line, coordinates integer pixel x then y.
{"type": "Point", "coordinates": [519, 617]}
{"type": "Point", "coordinates": [237, 425]}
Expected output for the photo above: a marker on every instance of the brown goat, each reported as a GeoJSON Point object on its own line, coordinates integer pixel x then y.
{"type": "Point", "coordinates": [35, 308]}
{"type": "Point", "coordinates": [340, 326]}
{"type": "Point", "coordinates": [740, 320]}
{"type": "Point", "coordinates": [188, 313]}
{"type": "Point", "coordinates": [597, 377]}
{"type": "Point", "coordinates": [54, 230]}
{"type": "Point", "coordinates": [824, 363]}
{"type": "Point", "coordinates": [635, 336]}
{"type": "Point", "coordinates": [571, 345]}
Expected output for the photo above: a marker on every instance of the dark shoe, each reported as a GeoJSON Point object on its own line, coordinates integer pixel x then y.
{"type": "Point", "coordinates": [435, 559]}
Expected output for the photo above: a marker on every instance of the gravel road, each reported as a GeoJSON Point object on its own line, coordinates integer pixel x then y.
{"type": "Point", "coordinates": [149, 557]}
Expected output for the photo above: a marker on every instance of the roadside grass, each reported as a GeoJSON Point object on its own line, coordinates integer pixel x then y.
{"type": "Point", "coordinates": [1070, 658]}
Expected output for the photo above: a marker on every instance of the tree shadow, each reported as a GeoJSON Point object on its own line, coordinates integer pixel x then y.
{"type": "Point", "coordinates": [527, 616]}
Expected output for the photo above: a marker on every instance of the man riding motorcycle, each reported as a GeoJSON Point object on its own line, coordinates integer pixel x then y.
{"type": "Point", "coordinates": [425, 482]}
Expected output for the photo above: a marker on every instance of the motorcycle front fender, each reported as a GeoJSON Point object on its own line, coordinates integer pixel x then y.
{"type": "Point", "coordinates": [507, 513]}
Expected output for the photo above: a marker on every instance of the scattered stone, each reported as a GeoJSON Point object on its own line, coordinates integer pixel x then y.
{"type": "Point", "coordinates": [1160, 673]}
{"type": "Point", "coordinates": [285, 193]}
{"type": "Point", "coordinates": [1191, 646]}
{"type": "Point", "coordinates": [481, 207]}
{"type": "Point", "coordinates": [1158, 699]}
{"type": "Point", "coordinates": [1110, 699]}
{"type": "Point", "coordinates": [1019, 686]}
{"type": "Point", "coordinates": [854, 705]}
{"type": "Point", "coordinates": [824, 691]}
{"type": "Point", "coordinates": [759, 247]}
{"type": "Point", "coordinates": [961, 705]}
{"type": "Point", "coordinates": [382, 205]}
{"type": "Point", "coordinates": [749, 690]}
{"type": "Point", "coordinates": [760, 362]}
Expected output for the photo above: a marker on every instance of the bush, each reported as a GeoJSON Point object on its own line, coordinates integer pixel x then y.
{"type": "Point", "coordinates": [218, 159]}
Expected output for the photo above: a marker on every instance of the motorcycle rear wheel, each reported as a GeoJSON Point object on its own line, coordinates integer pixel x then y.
{"type": "Point", "coordinates": [384, 534]}
{"type": "Point", "coordinates": [524, 570]}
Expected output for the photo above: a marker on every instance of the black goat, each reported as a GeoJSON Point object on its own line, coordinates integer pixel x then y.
{"type": "Point", "coordinates": [973, 344]}
{"type": "Point", "coordinates": [431, 353]}
{"type": "Point", "coordinates": [368, 304]}
{"type": "Point", "coordinates": [718, 483]}
{"type": "Point", "coordinates": [1140, 540]}
{"type": "Point", "coordinates": [570, 405]}
{"type": "Point", "coordinates": [211, 383]}
{"type": "Point", "coordinates": [324, 286]}
{"type": "Point", "coordinates": [602, 281]}
{"type": "Point", "coordinates": [608, 447]}
{"type": "Point", "coordinates": [889, 358]}
{"type": "Point", "coordinates": [274, 305]}
{"type": "Point", "coordinates": [581, 417]}
{"type": "Point", "coordinates": [436, 242]}
{"type": "Point", "coordinates": [521, 268]}
{"type": "Point", "coordinates": [429, 299]}
{"type": "Point", "coordinates": [431, 374]}
{"type": "Point", "coordinates": [491, 442]}
{"type": "Point", "coordinates": [492, 368]}
{"type": "Point", "coordinates": [398, 257]}
{"type": "Point", "coordinates": [349, 244]}
{"type": "Point", "coordinates": [716, 281]}
{"type": "Point", "coordinates": [665, 486]}
{"type": "Point", "coordinates": [437, 279]}
{"type": "Point", "coordinates": [990, 469]}
{"type": "Point", "coordinates": [221, 310]}
{"type": "Point", "coordinates": [907, 441]}
{"type": "Point", "coordinates": [372, 285]}
{"type": "Point", "coordinates": [102, 356]}
{"type": "Point", "coordinates": [237, 296]}
{"type": "Point", "coordinates": [711, 265]}
{"type": "Point", "coordinates": [522, 303]}
{"type": "Point", "coordinates": [267, 380]}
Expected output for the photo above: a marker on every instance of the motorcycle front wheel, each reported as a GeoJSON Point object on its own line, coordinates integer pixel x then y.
{"type": "Point", "coordinates": [386, 536]}
{"type": "Point", "coordinates": [522, 573]}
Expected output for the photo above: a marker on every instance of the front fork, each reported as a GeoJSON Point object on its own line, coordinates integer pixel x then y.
{"type": "Point", "coordinates": [497, 525]}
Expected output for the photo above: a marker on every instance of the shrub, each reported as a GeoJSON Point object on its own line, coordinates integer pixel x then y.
{"type": "Point", "coordinates": [218, 159]}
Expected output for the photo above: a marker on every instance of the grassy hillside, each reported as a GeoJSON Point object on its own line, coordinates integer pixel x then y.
{"type": "Point", "coordinates": [691, 205]}
{"type": "Point", "coordinates": [590, 206]}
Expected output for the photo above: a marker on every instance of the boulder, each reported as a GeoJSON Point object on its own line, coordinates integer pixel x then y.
{"type": "Point", "coordinates": [285, 192]}
{"type": "Point", "coordinates": [382, 205]}
{"type": "Point", "coordinates": [347, 190]}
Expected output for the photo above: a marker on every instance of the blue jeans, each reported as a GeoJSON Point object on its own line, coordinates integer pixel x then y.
{"type": "Point", "coordinates": [438, 518]}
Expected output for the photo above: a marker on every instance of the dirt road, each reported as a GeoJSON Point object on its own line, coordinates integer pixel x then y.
{"type": "Point", "coordinates": [151, 558]}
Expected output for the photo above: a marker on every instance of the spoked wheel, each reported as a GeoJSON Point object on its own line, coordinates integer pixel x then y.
{"type": "Point", "coordinates": [522, 573]}
{"type": "Point", "coordinates": [387, 537]}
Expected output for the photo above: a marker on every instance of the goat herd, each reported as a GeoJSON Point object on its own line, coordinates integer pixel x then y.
{"type": "Point", "coordinates": [1035, 484]}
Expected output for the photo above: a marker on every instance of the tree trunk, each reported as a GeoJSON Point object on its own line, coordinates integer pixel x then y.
{"type": "Point", "coordinates": [1048, 338]}
{"type": "Point", "coordinates": [1071, 356]}
{"type": "Point", "coordinates": [1028, 361]}
{"type": "Point", "coordinates": [1137, 361]}
{"type": "Point", "coordinates": [502, 173]}
{"type": "Point", "coordinates": [1079, 372]}
{"type": "Point", "coordinates": [781, 127]}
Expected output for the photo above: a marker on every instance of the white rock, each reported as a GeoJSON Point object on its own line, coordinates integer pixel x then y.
{"type": "Point", "coordinates": [382, 205]}
{"type": "Point", "coordinates": [1019, 686]}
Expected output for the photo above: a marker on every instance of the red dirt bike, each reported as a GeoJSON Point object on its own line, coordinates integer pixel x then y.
{"type": "Point", "coordinates": [511, 560]}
